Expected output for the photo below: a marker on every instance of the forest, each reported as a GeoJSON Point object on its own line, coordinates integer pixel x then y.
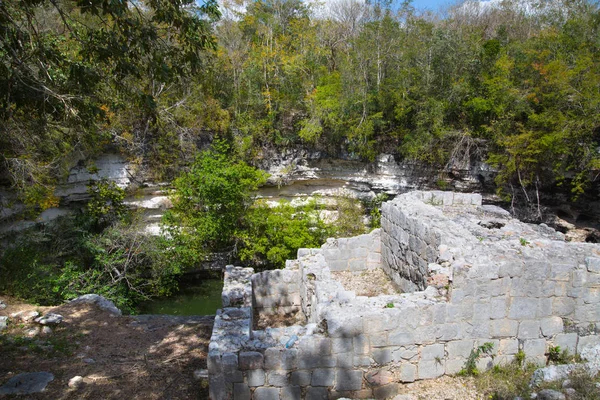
{"type": "Point", "coordinates": [516, 85]}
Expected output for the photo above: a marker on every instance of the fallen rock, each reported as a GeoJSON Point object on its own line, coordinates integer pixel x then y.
{"type": "Point", "coordinates": [549, 394]}
{"type": "Point", "coordinates": [552, 373]}
{"type": "Point", "coordinates": [49, 319]}
{"type": "Point", "coordinates": [591, 354]}
{"type": "Point", "coordinates": [27, 383]}
{"type": "Point", "coordinates": [76, 382]}
{"type": "Point", "coordinates": [46, 330]}
{"type": "Point", "coordinates": [25, 316]}
{"type": "Point", "coordinates": [3, 323]}
{"type": "Point", "coordinates": [89, 361]}
{"type": "Point", "coordinates": [99, 301]}
{"type": "Point", "coordinates": [32, 332]}
{"type": "Point", "coordinates": [2, 305]}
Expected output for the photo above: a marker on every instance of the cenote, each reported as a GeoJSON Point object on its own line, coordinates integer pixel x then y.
{"type": "Point", "coordinates": [202, 297]}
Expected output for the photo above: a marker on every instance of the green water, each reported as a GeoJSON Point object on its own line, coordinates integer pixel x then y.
{"type": "Point", "coordinates": [201, 298]}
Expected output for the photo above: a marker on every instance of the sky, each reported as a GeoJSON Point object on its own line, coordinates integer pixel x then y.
{"type": "Point", "coordinates": [432, 5]}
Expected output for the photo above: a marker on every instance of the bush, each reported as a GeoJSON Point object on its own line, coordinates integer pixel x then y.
{"type": "Point", "coordinates": [210, 203]}
{"type": "Point", "coordinates": [274, 235]}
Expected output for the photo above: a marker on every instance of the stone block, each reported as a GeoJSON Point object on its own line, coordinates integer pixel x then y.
{"type": "Point", "coordinates": [217, 388]}
{"type": "Point", "coordinates": [563, 306]}
{"type": "Point", "coordinates": [277, 378]}
{"type": "Point", "coordinates": [255, 377]}
{"type": "Point", "coordinates": [323, 377]}
{"type": "Point", "coordinates": [529, 329]}
{"type": "Point", "coordinates": [317, 393]}
{"type": "Point", "coordinates": [587, 341]}
{"type": "Point", "coordinates": [291, 393]}
{"type": "Point", "coordinates": [241, 391]}
{"type": "Point", "coordinates": [310, 361]}
{"type": "Point", "coordinates": [498, 307]}
{"type": "Point", "coordinates": [250, 360]}
{"type": "Point", "coordinates": [300, 378]}
{"type": "Point", "coordinates": [399, 338]}
{"type": "Point", "coordinates": [404, 353]}
{"type": "Point", "coordinates": [266, 393]}
{"type": "Point", "coordinates": [408, 372]}
{"type": "Point", "coordinates": [289, 359]}
{"type": "Point", "coordinates": [523, 308]}
{"type": "Point", "coordinates": [459, 348]}
{"type": "Point", "coordinates": [567, 341]}
{"type": "Point", "coordinates": [379, 339]}
{"type": "Point", "coordinates": [429, 369]}
{"type": "Point", "coordinates": [360, 344]}
{"type": "Point", "coordinates": [315, 345]}
{"type": "Point", "coordinates": [344, 360]}
{"type": "Point", "coordinates": [484, 363]}
{"type": "Point", "coordinates": [272, 358]}
{"type": "Point", "coordinates": [362, 361]}
{"type": "Point", "coordinates": [454, 366]}
{"type": "Point", "coordinates": [348, 379]}
{"type": "Point", "coordinates": [508, 346]}
{"type": "Point", "coordinates": [382, 355]}
{"type": "Point", "coordinates": [379, 377]}
{"type": "Point", "coordinates": [503, 328]}
{"type": "Point", "coordinates": [341, 345]}
{"type": "Point", "coordinates": [432, 352]}
{"type": "Point", "coordinates": [551, 326]}
{"type": "Point", "coordinates": [593, 264]}
{"type": "Point", "coordinates": [534, 348]}
{"type": "Point", "coordinates": [447, 332]}
{"type": "Point", "coordinates": [385, 392]}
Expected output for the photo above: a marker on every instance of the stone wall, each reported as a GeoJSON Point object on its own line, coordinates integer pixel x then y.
{"type": "Point", "coordinates": [276, 292]}
{"type": "Point", "coordinates": [354, 254]}
{"type": "Point", "coordinates": [410, 242]}
{"type": "Point", "coordinates": [520, 287]}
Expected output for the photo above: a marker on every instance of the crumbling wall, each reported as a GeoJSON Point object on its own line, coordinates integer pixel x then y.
{"type": "Point", "coordinates": [410, 240]}
{"type": "Point", "coordinates": [276, 292]}
{"type": "Point", "coordinates": [354, 254]}
{"type": "Point", "coordinates": [520, 287]}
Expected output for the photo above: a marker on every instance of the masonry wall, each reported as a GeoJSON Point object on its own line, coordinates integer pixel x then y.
{"type": "Point", "coordinates": [355, 254]}
{"type": "Point", "coordinates": [276, 292]}
{"type": "Point", "coordinates": [518, 287]}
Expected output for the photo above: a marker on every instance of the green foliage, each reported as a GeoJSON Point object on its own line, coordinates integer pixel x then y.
{"type": "Point", "coordinates": [274, 234]}
{"type": "Point", "coordinates": [105, 205]}
{"type": "Point", "coordinates": [210, 203]}
{"type": "Point", "coordinates": [470, 368]}
{"type": "Point", "coordinates": [49, 264]}
{"type": "Point", "coordinates": [350, 218]}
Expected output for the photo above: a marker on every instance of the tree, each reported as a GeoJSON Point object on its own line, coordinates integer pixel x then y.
{"type": "Point", "coordinates": [66, 68]}
{"type": "Point", "coordinates": [210, 203]}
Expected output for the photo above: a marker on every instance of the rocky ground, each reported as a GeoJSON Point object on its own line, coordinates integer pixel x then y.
{"type": "Point", "coordinates": [115, 356]}
{"type": "Point", "coordinates": [374, 282]}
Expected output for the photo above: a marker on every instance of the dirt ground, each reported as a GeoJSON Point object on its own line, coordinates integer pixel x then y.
{"type": "Point", "coordinates": [118, 357]}
{"type": "Point", "coordinates": [373, 282]}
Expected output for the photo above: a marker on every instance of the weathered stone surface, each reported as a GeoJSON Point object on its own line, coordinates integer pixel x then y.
{"type": "Point", "coordinates": [27, 383]}
{"type": "Point", "coordinates": [277, 378]}
{"type": "Point", "coordinates": [347, 379]}
{"type": "Point", "coordinates": [379, 377]}
{"type": "Point", "coordinates": [266, 393]}
{"type": "Point", "coordinates": [300, 378]}
{"type": "Point", "coordinates": [529, 329]}
{"type": "Point", "coordinates": [3, 323]}
{"type": "Point", "coordinates": [429, 369]}
{"type": "Point", "coordinates": [99, 301]}
{"type": "Point", "coordinates": [250, 360]}
{"type": "Point", "coordinates": [551, 326]}
{"type": "Point", "coordinates": [49, 319]}
{"type": "Point", "coordinates": [256, 377]}
{"type": "Point", "coordinates": [323, 377]}
{"type": "Point", "coordinates": [241, 391]}
{"type": "Point", "coordinates": [291, 393]}
{"type": "Point", "coordinates": [317, 393]}
{"type": "Point", "coordinates": [385, 392]}
{"type": "Point", "coordinates": [503, 328]}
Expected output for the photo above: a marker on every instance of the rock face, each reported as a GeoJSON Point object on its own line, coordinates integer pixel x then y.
{"type": "Point", "coordinates": [98, 300]}
{"type": "Point", "coordinates": [510, 284]}
{"type": "Point", "coordinates": [28, 383]}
